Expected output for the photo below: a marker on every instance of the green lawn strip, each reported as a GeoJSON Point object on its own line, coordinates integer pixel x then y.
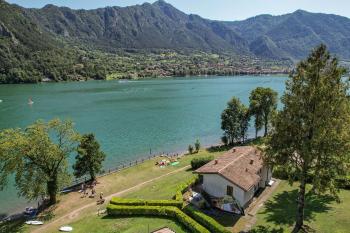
{"type": "Point", "coordinates": [322, 213]}
{"type": "Point", "coordinates": [106, 224]}
{"type": "Point", "coordinates": [139, 204]}
{"type": "Point", "coordinates": [164, 188]}
{"type": "Point", "coordinates": [168, 211]}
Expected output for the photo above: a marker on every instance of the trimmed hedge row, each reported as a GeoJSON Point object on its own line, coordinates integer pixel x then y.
{"type": "Point", "coordinates": [183, 188]}
{"type": "Point", "coordinates": [205, 220]}
{"type": "Point", "coordinates": [169, 211]}
{"type": "Point", "coordinates": [141, 202]}
{"type": "Point", "coordinates": [199, 162]}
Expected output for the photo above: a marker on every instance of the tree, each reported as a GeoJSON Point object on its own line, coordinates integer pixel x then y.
{"type": "Point", "coordinates": [235, 121]}
{"type": "Point", "coordinates": [197, 145]}
{"type": "Point", "coordinates": [263, 102]}
{"type": "Point", "coordinates": [190, 149]}
{"type": "Point", "coordinates": [311, 136]}
{"type": "Point", "coordinates": [37, 156]}
{"type": "Point", "coordinates": [90, 157]}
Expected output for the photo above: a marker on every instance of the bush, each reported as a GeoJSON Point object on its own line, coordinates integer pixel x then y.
{"type": "Point", "coordinates": [211, 224]}
{"type": "Point", "coordinates": [168, 211]}
{"type": "Point", "coordinates": [198, 162]}
{"type": "Point", "coordinates": [183, 188]}
{"type": "Point", "coordinates": [140, 202]}
{"type": "Point", "coordinates": [190, 149]}
{"type": "Point", "coordinates": [197, 145]}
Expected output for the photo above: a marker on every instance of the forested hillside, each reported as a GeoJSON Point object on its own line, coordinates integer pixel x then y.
{"type": "Point", "coordinates": [151, 40]}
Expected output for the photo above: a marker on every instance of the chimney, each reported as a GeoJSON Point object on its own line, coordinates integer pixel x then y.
{"type": "Point", "coordinates": [216, 162]}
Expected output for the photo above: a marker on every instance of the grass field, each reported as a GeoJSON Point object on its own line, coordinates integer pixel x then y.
{"type": "Point", "coordinates": [163, 188]}
{"type": "Point", "coordinates": [106, 224]}
{"type": "Point", "coordinates": [322, 214]}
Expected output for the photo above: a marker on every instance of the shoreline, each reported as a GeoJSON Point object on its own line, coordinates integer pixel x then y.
{"type": "Point", "coordinates": [179, 153]}
{"type": "Point", "coordinates": [158, 78]}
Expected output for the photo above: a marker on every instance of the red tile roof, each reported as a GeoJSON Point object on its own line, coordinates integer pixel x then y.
{"type": "Point", "coordinates": [240, 166]}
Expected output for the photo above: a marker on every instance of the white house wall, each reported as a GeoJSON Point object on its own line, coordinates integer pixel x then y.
{"type": "Point", "coordinates": [215, 185]}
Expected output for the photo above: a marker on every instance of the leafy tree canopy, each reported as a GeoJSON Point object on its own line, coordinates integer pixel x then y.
{"type": "Point", "coordinates": [37, 156]}
{"type": "Point", "coordinates": [311, 135]}
{"type": "Point", "coordinates": [90, 157]}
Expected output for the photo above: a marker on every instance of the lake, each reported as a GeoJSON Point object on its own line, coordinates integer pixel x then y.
{"type": "Point", "coordinates": [130, 118]}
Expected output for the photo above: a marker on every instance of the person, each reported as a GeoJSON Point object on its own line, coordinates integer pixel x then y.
{"type": "Point", "coordinates": [101, 200]}
{"type": "Point", "coordinates": [93, 191]}
{"type": "Point", "coordinates": [85, 192]}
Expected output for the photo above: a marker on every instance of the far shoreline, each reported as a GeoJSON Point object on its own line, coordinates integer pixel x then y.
{"type": "Point", "coordinates": [273, 75]}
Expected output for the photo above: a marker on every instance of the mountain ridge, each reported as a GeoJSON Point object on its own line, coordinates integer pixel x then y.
{"type": "Point", "coordinates": [33, 39]}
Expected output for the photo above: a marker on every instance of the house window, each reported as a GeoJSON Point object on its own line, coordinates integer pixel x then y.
{"type": "Point", "coordinates": [229, 191]}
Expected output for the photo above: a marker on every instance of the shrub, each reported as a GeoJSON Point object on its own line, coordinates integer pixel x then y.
{"type": "Point", "coordinates": [190, 149]}
{"type": "Point", "coordinates": [198, 162]}
{"type": "Point", "coordinates": [211, 224]}
{"type": "Point", "coordinates": [168, 211]}
{"type": "Point", "coordinates": [183, 188]}
{"type": "Point", "coordinates": [224, 140]}
{"type": "Point", "coordinates": [197, 145]}
{"type": "Point", "coordinates": [140, 202]}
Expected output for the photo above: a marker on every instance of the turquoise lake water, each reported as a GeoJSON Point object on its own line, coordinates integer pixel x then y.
{"type": "Point", "coordinates": [129, 118]}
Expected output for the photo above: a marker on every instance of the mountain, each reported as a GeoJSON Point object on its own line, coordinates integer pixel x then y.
{"type": "Point", "coordinates": [160, 25]}
{"type": "Point", "coordinates": [157, 25]}
{"type": "Point", "coordinates": [52, 42]}
{"type": "Point", "coordinates": [293, 35]}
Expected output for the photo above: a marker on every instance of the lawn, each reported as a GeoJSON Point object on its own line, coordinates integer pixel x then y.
{"type": "Point", "coordinates": [106, 224]}
{"type": "Point", "coordinates": [322, 214]}
{"type": "Point", "coordinates": [163, 188]}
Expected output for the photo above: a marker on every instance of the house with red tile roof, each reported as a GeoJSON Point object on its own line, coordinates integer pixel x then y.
{"type": "Point", "coordinates": [239, 173]}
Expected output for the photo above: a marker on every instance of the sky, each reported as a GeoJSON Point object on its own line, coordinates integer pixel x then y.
{"type": "Point", "coordinates": [213, 9]}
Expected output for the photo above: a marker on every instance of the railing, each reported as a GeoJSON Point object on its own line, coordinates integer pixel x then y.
{"type": "Point", "coordinates": [121, 166]}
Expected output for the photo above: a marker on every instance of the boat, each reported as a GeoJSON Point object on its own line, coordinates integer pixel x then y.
{"type": "Point", "coordinates": [30, 101]}
{"type": "Point", "coordinates": [34, 223]}
{"type": "Point", "coordinates": [0, 101]}
{"type": "Point", "coordinates": [66, 229]}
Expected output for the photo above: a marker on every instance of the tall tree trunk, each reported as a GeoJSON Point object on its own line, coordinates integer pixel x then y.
{"type": "Point", "coordinates": [52, 189]}
{"type": "Point", "coordinates": [92, 174]}
{"type": "Point", "coordinates": [256, 132]}
{"type": "Point", "coordinates": [300, 209]}
{"type": "Point", "coordinates": [266, 125]}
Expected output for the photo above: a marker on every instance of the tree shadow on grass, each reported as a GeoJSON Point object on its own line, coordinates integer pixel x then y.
{"type": "Point", "coordinates": [225, 219]}
{"type": "Point", "coordinates": [282, 208]}
{"type": "Point", "coordinates": [263, 229]}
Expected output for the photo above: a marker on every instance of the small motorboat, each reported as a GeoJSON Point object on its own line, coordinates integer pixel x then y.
{"type": "Point", "coordinates": [30, 101]}
{"type": "Point", "coordinates": [0, 101]}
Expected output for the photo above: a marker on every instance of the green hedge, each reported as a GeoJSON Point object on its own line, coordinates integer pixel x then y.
{"type": "Point", "coordinates": [141, 202]}
{"type": "Point", "coordinates": [205, 220]}
{"type": "Point", "coordinates": [199, 162]}
{"type": "Point", "coordinates": [181, 189]}
{"type": "Point", "coordinates": [169, 211]}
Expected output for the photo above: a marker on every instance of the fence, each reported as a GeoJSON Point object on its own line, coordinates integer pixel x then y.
{"type": "Point", "coordinates": [121, 166]}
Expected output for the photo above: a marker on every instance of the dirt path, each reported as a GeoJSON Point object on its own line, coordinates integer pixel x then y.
{"type": "Point", "coordinates": [74, 214]}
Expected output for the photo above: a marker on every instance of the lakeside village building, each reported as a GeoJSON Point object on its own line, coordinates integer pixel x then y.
{"type": "Point", "coordinates": [237, 175]}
